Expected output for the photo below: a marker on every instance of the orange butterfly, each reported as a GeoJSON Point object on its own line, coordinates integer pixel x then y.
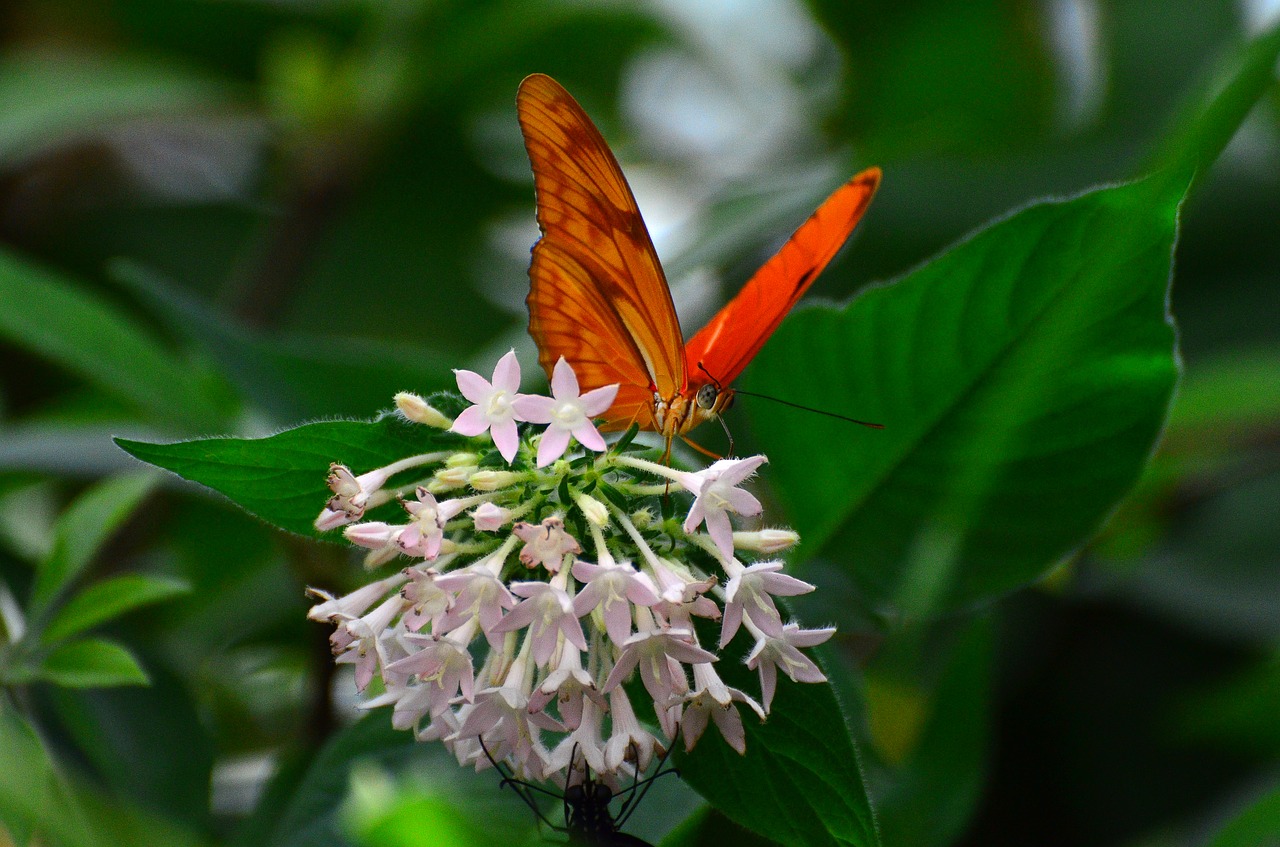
{"type": "Point", "coordinates": [598, 296]}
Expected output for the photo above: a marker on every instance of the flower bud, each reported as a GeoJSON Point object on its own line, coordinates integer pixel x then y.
{"type": "Point", "coordinates": [642, 518]}
{"type": "Point", "coordinates": [332, 519]}
{"type": "Point", "coordinates": [593, 510]}
{"type": "Point", "coordinates": [766, 540]}
{"type": "Point", "coordinates": [449, 478]}
{"type": "Point", "coordinates": [462, 459]}
{"type": "Point", "coordinates": [416, 409]}
{"type": "Point", "coordinates": [490, 517]}
{"type": "Point", "coordinates": [494, 480]}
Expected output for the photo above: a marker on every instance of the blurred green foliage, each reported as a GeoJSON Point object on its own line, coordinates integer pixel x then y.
{"type": "Point", "coordinates": [231, 217]}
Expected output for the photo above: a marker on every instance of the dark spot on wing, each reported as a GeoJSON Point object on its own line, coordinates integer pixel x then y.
{"type": "Point", "coordinates": [805, 279]}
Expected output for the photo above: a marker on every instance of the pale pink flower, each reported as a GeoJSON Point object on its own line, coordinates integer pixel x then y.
{"type": "Point", "coordinates": [651, 651]}
{"type": "Point", "coordinates": [547, 611]}
{"type": "Point", "coordinates": [626, 735]}
{"type": "Point", "coordinates": [425, 531]}
{"type": "Point", "coordinates": [503, 712]}
{"type": "Point", "coordinates": [545, 543]}
{"type": "Point", "coordinates": [584, 743]}
{"type": "Point", "coordinates": [567, 412]}
{"type": "Point", "coordinates": [494, 408]}
{"type": "Point", "coordinates": [613, 588]}
{"type": "Point", "coordinates": [716, 492]}
{"type": "Point", "coordinates": [442, 666]}
{"type": "Point", "coordinates": [569, 684]}
{"type": "Point", "coordinates": [479, 594]}
{"type": "Point", "coordinates": [426, 600]}
{"type": "Point", "coordinates": [683, 596]}
{"type": "Point", "coordinates": [751, 590]}
{"type": "Point", "coordinates": [490, 517]}
{"type": "Point", "coordinates": [712, 699]}
{"type": "Point", "coordinates": [772, 653]}
{"type": "Point", "coordinates": [352, 605]}
{"type": "Point", "coordinates": [382, 540]}
{"type": "Point", "coordinates": [358, 642]}
{"type": "Point", "coordinates": [353, 494]}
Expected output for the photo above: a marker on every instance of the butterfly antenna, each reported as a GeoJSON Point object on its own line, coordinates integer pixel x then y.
{"type": "Point", "coordinates": [520, 787]}
{"type": "Point", "coordinates": [633, 802]}
{"type": "Point", "coordinates": [810, 409]}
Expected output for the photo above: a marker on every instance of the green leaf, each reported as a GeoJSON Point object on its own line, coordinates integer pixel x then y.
{"type": "Point", "coordinates": [91, 663]}
{"type": "Point", "coordinates": [800, 782]}
{"type": "Point", "coordinates": [282, 478]}
{"type": "Point", "coordinates": [1259, 824]}
{"type": "Point", "coordinates": [50, 316]}
{"type": "Point", "coordinates": [82, 530]}
{"type": "Point", "coordinates": [110, 599]}
{"type": "Point", "coordinates": [1022, 379]}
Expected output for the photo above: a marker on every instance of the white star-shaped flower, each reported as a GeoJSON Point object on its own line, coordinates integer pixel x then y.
{"type": "Point", "coordinates": [494, 408]}
{"type": "Point", "coordinates": [783, 652]}
{"type": "Point", "coordinates": [567, 412]}
{"type": "Point", "coordinates": [717, 494]}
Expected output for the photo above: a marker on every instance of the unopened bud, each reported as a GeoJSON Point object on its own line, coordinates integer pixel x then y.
{"type": "Point", "coordinates": [642, 518]}
{"type": "Point", "coordinates": [490, 517]}
{"type": "Point", "coordinates": [593, 509]}
{"type": "Point", "coordinates": [494, 480]}
{"type": "Point", "coordinates": [332, 519]}
{"type": "Point", "coordinates": [765, 540]}
{"type": "Point", "coordinates": [462, 459]}
{"type": "Point", "coordinates": [448, 479]}
{"type": "Point", "coordinates": [416, 409]}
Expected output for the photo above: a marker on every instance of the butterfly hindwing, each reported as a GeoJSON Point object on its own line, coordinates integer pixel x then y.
{"type": "Point", "coordinates": [597, 296]}
{"type": "Point", "coordinates": [736, 333]}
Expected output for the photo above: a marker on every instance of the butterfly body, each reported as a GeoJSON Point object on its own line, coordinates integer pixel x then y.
{"type": "Point", "coordinates": [598, 296]}
{"type": "Point", "coordinates": [589, 821]}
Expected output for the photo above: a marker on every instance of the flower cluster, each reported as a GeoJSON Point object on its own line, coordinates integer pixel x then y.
{"type": "Point", "coordinates": [562, 577]}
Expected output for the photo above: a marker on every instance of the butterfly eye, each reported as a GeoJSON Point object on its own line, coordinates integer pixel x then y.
{"type": "Point", "coordinates": [707, 396]}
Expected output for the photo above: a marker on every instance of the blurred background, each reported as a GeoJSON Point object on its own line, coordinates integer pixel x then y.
{"type": "Point", "coordinates": [230, 216]}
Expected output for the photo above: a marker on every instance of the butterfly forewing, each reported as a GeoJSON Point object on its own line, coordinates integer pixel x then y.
{"type": "Point", "coordinates": [731, 340]}
{"type": "Point", "coordinates": [598, 296]}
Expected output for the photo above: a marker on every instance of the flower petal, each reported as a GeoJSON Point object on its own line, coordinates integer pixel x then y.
{"type": "Point", "coordinates": [473, 386]}
{"type": "Point", "coordinates": [471, 422]}
{"type": "Point", "coordinates": [564, 382]}
{"type": "Point", "coordinates": [554, 442]}
{"type": "Point", "coordinates": [598, 400]}
{"type": "Point", "coordinates": [505, 437]}
{"type": "Point", "coordinates": [533, 408]}
{"type": "Point", "coordinates": [588, 437]}
{"type": "Point", "coordinates": [506, 374]}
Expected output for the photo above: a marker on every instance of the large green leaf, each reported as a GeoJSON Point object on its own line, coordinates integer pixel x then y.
{"type": "Point", "coordinates": [800, 782]}
{"type": "Point", "coordinates": [1022, 379]}
{"type": "Point", "coordinates": [282, 478]}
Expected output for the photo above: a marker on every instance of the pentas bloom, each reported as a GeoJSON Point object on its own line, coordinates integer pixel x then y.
{"type": "Point", "coordinates": [536, 581]}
